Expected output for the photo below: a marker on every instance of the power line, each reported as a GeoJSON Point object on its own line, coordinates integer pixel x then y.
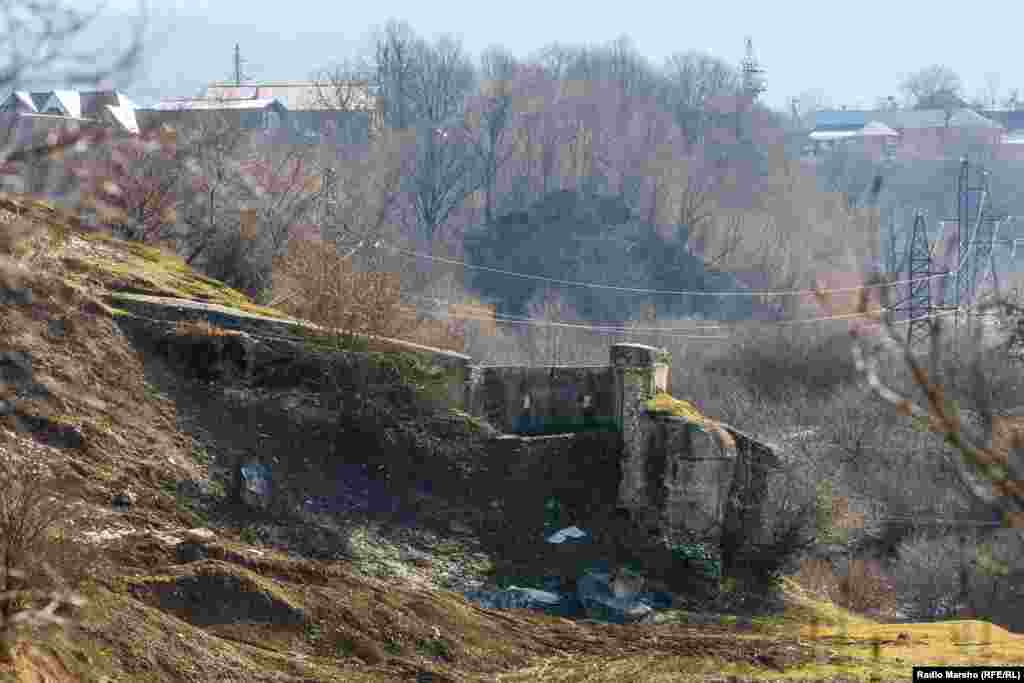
{"type": "Point", "coordinates": [554, 323]}
{"type": "Point", "coordinates": [681, 333]}
{"type": "Point", "coordinates": [640, 290]}
{"type": "Point", "coordinates": [487, 315]}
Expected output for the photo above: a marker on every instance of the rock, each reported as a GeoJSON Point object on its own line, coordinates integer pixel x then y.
{"type": "Point", "coordinates": [200, 535]}
{"type": "Point", "coordinates": [626, 584]}
{"type": "Point", "coordinates": [6, 408]}
{"type": "Point", "coordinates": [190, 551]}
{"type": "Point", "coordinates": [594, 592]}
{"type": "Point", "coordinates": [459, 527]}
{"type": "Point", "coordinates": [124, 499]}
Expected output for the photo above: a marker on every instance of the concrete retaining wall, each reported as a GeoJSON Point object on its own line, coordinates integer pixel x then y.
{"type": "Point", "coordinates": [544, 400]}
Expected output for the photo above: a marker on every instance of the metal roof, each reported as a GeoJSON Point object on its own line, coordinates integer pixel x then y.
{"type": "Point", "coordinates": [298, 95]}
{"type": "Point", "coordinates": [1011, 119]}
{"type": "Point", "coordinates": [871, 129]}
{"type": "Point", "coordinates": [124, 117]}
{"type": "Point", "coordinates": [824, 135]}
{"type": "Point", "coordinates": [212, 104]}
{"type": "Point", "coordinates": [68, 102]}
{"type": "Point", "coordinates": [876, 129]}
{"type": "Point", "coordinates": [899, 119]}
{"type": "Point", "coordinates": [23, 97]}
{"type": "Point", "coordinates": [81, 105]}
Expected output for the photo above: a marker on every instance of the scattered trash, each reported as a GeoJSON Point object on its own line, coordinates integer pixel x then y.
{"type": "Point", "coordinates": [256, 484]}
{"type": "Point", "coordinates": [515, 597]}
{"type": "Point", "coordinates": [572, 534]}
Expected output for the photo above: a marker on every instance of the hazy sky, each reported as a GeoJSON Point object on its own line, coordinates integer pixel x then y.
{"type": "Point", "coordinates": [853, 51]}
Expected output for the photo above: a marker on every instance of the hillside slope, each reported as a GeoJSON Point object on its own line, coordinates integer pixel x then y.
{"type": "Point", "coordinates": [186, 585]}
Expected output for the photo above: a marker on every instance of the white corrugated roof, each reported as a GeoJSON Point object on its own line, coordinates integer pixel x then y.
{"type": "Point", "coordinates": [213, 104]}
{"type": "Point", "coordinates": [824, 135]}
{"type": "Point", "coordinates": [125, 117]}
{"type": "Point", "coordinates": [298, 95]}
{"type": "Point", "coordinates": [68, 102]}
{"type": "Point", "coordinates": [874, 128]}
{"type": "Point", "coordinates": [25, 98]}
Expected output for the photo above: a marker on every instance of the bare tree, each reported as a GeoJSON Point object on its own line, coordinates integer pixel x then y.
{"type": "Point", "coordinates": [444, 77]}
{"type": "Point", "coordinates": [491, 119]}
{"type": "Point", "coordinates": [934, 87]}
{"type": "Point", "coordinates": [396, 51]}
{"type": "Point", "coordinates": [345, 91]}
{"type": "Point", "coordinates": [990, 472]}
{"type": "Point", "coordinates": [444, 174]}
{"type": "Point", "coordinates": [38, 43]}
{"type": "Point", "coordinates": [692, 81]}
{"type": "Point", "coordinates": [209, 207]}
{"type": "Point", "coordinates": [360, 188]}
{"type": "Point", "coordinates": [551, 343]}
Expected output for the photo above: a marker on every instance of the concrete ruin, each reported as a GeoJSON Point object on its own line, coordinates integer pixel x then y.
{"type": "Point", "coordinates": [582, 433]}
{"type": "Point", "coordinates": [684, 479]}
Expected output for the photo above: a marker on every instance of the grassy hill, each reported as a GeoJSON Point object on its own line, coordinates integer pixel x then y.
{"type": "Point", "coordinates": [300, 596]}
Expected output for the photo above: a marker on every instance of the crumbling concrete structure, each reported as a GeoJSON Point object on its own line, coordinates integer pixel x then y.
{"type": "Point", "coordinates": [686, 478]}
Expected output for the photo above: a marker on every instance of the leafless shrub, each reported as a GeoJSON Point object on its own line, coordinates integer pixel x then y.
{"type": "Point", "coordinates": [779, 359]}
{"type": "Point", "coordinates": [33, 593]}
{"type": "Point", "coordinates": [866, 587]}
{"type": "Point", "coordinates": [328, 290]}
{"type": "Point", "coordinates": [926, 575]}
{"type": "Point", "coordinates": [817, 577]}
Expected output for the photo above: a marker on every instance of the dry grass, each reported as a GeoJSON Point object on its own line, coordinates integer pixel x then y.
{"type": "Point", "coordinates": [199, 329]}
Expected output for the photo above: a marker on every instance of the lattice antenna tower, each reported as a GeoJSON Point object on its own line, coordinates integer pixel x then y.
{"type": "Point", "coordinates": [753, 73]}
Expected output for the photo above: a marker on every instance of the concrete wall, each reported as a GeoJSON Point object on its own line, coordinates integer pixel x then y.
{"type": "Point", "coordinates": [581, 470]}
{"type": "Point", "coordinates": [543, 400]}
{"type": "Point", "coordinates": [690, 475]}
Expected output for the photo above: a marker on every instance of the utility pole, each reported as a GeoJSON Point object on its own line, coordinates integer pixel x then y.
{"type": "Point", "coordinates": [239, 76]}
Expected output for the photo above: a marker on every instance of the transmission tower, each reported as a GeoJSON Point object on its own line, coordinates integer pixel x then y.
{"type": "Point", "coordinates": [975, 231]}
{"type": "Point", "coordinates": [920, 325]}
{"type": "Point", "coordinates": [327, 203]}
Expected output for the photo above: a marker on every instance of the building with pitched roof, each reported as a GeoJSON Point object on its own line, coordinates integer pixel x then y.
{"type": "Point", "coordinates": [28, 118]}
{"type": "Point", "coordinates": [106, 107]}
{"type": "Point", "coordinates": [251, 114]}
{"type": "Point", "coordinates": [918, 132]}
{"type": "Point", "coordinates": [314, 108]}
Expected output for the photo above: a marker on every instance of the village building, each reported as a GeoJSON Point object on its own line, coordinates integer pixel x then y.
{"type": "Point", "coordinates": [27, 118]}
{"type": "Point", "coordinates": [303, 111]}
{"type": "Point", "coordinates": [902, 133]}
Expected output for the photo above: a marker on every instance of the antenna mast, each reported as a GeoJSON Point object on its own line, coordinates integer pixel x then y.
{"type": "Point", "coordinates": [239, 76]}
{"type": "Point", "coordinates": [753, 73]}
{"type": "Point", "coordinates": [753, 85]}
